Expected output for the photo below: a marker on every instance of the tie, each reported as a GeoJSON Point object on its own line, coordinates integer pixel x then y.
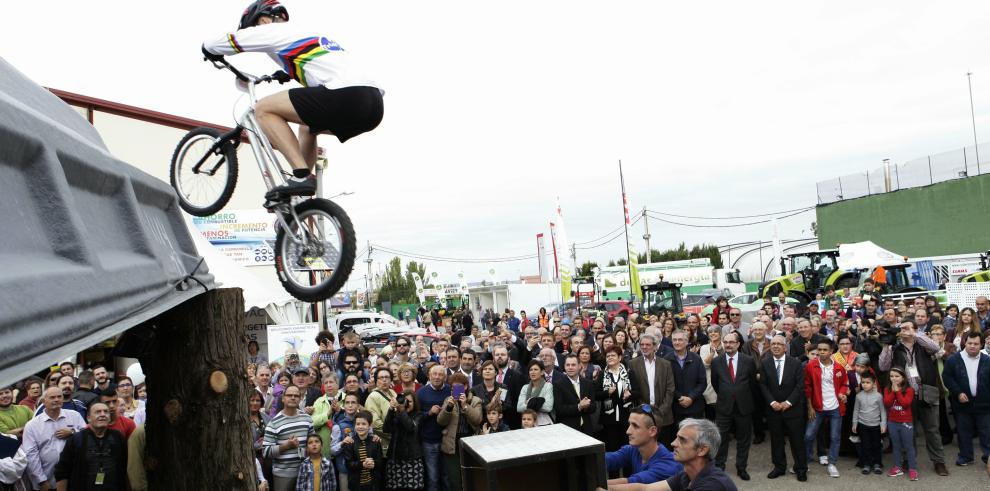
{"type": "Point", "coordinates": [548, 376]}
{"type": "Point", "coordinates": [732, 372]}
{"type": "Point", "coordinates": [577, 390]}
{"type": "Point", "coordinates": [501, 376]}
{"type": "Point", "coordinates": [780, 371]}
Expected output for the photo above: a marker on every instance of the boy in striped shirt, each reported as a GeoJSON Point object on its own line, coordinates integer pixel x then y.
{"type": "Point", "coordinates": [285, 439]}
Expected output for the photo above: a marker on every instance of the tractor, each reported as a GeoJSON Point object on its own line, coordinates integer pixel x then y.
{"type": "Point", "coordinates": [983, 274]}
{"type": "Point", "coordinates": [663, 296]}
{"type": "Point", "coordinates": [812, 272]}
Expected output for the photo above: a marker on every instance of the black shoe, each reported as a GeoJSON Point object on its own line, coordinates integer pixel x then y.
{"type": "Point", "coordinates": [774, 474]}
{"type": "Point", "coordinates": [293, 186]}
{"type": "Point", "coordinates": [743, 474]}
{"type": "Point", "coordinates": [802, 476]}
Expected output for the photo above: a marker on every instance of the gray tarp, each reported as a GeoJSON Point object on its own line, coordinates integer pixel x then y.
{"type": "Point", "coordinates": [89, 245]}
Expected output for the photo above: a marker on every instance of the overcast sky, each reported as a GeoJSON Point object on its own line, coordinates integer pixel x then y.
{"type": "Point", "coordinates": [494, 108]}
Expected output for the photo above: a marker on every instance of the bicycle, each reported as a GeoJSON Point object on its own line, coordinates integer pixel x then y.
{"type": "Point", "coordinates": [314, 243]}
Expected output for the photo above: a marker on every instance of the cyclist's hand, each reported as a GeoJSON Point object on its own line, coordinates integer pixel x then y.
{"type": "Point", "coordinates": [281, 77]}
{"type": "Point", "coordinates": [210, 56]}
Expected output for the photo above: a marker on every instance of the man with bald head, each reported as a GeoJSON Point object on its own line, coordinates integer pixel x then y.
{"type": "Point", "coordinates": [548, 356]}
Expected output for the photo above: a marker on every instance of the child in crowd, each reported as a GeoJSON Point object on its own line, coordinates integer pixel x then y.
{"type": "Point", "coordinates": [363, 456]}
{"type": "Point", "coordinates": [315, 471]}
{"type": "Point", "coordinates": [349, 346]}
{"type": "Point", "coordinates": [493, 419]}
{"type": "Point", "coordinates": [898, 400]}
{"type": "Point", "coordinates": [528, 419]}
{"type": "Point", "coordinates": [869, 421]}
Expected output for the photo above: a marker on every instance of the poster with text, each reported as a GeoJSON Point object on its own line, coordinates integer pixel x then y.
{"type": "Point", "coordinates": [288, 339]}
{"type": "Point", "coordinates": [245, 236]}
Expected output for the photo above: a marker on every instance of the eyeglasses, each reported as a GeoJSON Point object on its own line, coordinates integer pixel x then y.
{"type": "Point", "coordinates": [402, 345]}
{"type": "Point", "coordinates": [734, 315]}
{"type": "Point", "coordinates": [350, 363]}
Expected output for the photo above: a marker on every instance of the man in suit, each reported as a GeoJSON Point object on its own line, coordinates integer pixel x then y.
{"type": "Point", "coordinates": [690, 379]}
{"type": "Point", "coordinates": [469, 364]}
{"type": "Point", "coordinates": [573, 397]}
{"type": "Point", "coordinates": [452, 360]}
{"type": "Point", "coordinates": [782, 384]}
{"type": "Point", "coordinates": [732, 377]}
{"type": "Point", "coordinates": [506, 373]}
{"type": "Point", "coordinates": [967, 377]}
{"type": "Point", "coordinates": [552, 374]}
{"type": "Point", "coordinates": [652, 381]}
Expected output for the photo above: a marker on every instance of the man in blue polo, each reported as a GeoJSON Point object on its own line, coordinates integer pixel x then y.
{"type": "Point", "coordinates": [645, 460]}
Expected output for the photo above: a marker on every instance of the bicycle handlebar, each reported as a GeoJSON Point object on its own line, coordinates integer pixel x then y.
{"type": "Point", "coordinates": [222, 64]}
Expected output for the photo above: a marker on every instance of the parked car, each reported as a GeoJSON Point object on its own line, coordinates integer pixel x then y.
{"type": "Point", "coordinates": [347, 321]}
{"type": "Point", "coordinates": [615, 308]}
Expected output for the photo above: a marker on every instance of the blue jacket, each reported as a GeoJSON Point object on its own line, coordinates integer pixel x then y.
{"type": "Point", "coordinates": [689, 381]}
{"type": "Point", "coordinates": [957, 382]}
{"type": "Point", "coordinates": [660, 466]}
{"type": "Point", "coordinates": [429, 430]}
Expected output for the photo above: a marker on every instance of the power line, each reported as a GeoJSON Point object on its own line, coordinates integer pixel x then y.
{"type": "Point", "coordinates": [731, 218]}
{"type": "Point", "coordinates": [733, 225]}
{"type": "Point", "coordinates": [429, 257]}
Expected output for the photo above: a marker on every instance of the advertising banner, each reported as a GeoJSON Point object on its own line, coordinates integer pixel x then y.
{"type": "Point", "coordinates": [288, 339]}
{"type": "Point", "coordinates": [245, 236]}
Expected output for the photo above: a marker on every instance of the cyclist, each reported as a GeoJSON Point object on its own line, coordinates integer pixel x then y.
{"type": "Point", "coordinates": [335, 98]}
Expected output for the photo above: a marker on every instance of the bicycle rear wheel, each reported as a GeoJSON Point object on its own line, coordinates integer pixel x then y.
{"type": "Point", "coordinates": [317, 270]}
{"type": "Point", "coordinates": [207, 190]}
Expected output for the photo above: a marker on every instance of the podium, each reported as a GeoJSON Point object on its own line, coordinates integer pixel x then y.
{"type": "Point", "coordinates": [546, 457]}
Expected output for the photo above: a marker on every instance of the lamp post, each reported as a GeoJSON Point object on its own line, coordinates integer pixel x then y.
{"type": "Point", "coordinates": [972, 112]}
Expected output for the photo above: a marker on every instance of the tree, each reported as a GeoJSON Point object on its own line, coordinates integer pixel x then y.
{"type": "Point", "coordinates": [398, 287]}
{"type": "Point", "coordinates": [611, 263]}
{"type": "Point", "coordinates": [587, 269]}
{"type": "Point", "coordinates": [680, 253]}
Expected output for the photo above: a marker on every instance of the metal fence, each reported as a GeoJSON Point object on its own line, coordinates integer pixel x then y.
{"type": "Point", "coordinates": [955, 164]}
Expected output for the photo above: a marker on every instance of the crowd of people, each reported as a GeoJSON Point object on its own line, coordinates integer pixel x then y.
{"type": "Point", "coordinates": [835, 378]}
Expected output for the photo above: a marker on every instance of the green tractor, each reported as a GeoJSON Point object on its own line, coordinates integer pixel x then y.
{"type": "Point", "coordinates": [663, 296]}
{"type": "Point", "coordinates": [812, 272]}
{"type": "Point", "coordinates": [983, 274]}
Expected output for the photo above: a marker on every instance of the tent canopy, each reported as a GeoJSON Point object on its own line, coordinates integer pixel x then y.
{"type": "Point", "coordinates": [865, 255]}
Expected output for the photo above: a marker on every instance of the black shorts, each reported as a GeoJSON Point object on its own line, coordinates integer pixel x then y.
{"type": "Point", "coordinates": [346, 112]}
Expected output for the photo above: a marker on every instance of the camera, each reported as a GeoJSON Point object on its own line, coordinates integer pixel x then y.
{"type": "Point", "coordinates": [885, 333]}
{"type": "Point", "coordinates": [401, 398]}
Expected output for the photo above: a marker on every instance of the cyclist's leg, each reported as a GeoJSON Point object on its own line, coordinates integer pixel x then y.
{"type": "Point", "coordinates": [274, 113]}
{"type": "Point", "coordinates": [307, 146]}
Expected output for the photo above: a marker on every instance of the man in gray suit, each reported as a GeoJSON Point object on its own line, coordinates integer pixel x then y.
{"type": "Point", "coordinates": [733, 377]}
{"type": "Point", "coordinates": [652, 381]}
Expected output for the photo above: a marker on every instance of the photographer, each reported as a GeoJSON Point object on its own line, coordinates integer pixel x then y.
{"type": "Point", "coordinates": [404, 466]}
{"type": "Point", "coordinates": [914, 351]}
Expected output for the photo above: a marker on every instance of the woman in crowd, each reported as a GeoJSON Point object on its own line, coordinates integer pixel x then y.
{"type": "Point", "coordinates": [281, 383]}
{"type": "Point", "coordinates": [542, 319]}
{"type": "Point", "coordinates": [608, 340]}
{"type": "Point", "coordinates": [537, 394]}
{"type": "Point", "coordinates": [325, 369]}
{"type": "Point", "coordinates": [406, 379]}
{"type": "Point", "coordinates": [634, 332]}
{"type": "Point", "coordinates": [667, 327]}
{"type": "Point", "coordinates": [404, 459]}
{"type": "Point", "coordinates": [378, 403]}
{"type": "Point", "coordinates": [52, 379]}
{"type": "Point", "coordinates": [622, 341]}
{"type": "Point", "coordinates": [259, 420]}
{"type": "Point", "coordinates": [32, 387]}
{"type": "Point", "coordinates": [488, 389]}
{"type": "Point", "coordinates": [968, 321]}
{"type": "Point", "coordinates": [125, 392]}
{"type": "Point", "coordinates": [615, 390]}
{"type": "Point", "coordinates": [324, 408]}
{"type": "Point", "coordinates": [708, 352]}
{"type": "Point", "coordinates": [352, 385]}
{"type": "Point", "coordinates": [343, 428]}
{"type": "Point", "coordinates": [589, 370]}
{"type": "Point", "coordinates": [458, 418]}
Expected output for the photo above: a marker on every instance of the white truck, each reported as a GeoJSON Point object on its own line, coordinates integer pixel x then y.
{"type": "Point", "coordinates": [694, 275]}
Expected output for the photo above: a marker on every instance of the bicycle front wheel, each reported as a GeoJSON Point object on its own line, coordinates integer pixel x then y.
{"type": "Point", "coordinates": [315, 267]}
{"type": "Point", "coordinates": [206, 189]}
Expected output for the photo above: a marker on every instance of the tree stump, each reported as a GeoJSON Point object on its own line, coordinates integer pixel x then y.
{"type": "Point", "coordinates": [198, 431]}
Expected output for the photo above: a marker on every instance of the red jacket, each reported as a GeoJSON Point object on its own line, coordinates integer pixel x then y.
{"type": "Point", "coordinates": [899, 405]}
{"type": "Point", "coordinates": [813, 384]}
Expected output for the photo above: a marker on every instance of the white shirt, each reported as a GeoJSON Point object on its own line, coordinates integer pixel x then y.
{"type": "Point", "coordinates": [651, 376]}
{"type": "Point", "coordinates": [829, 401]}
{"type": "Point", "coordinates": [972, 366]}
{"type": "Point", "coordinates": [43, 447]}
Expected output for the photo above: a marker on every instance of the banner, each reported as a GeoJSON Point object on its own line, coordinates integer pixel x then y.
{"type": "Point", "coordinates": [564, 265]}
{"type": "Point", "coordinates": [544, 277]}
{"type": "Point", "coordinates": [288, 339]}
{"type": "Point", "coordinates": [420, 289]}
{"type": "Point", "coordinates": [632, 258]}
{"type": "Point", "coordinates": [255, 324]}
{"type": "Point", "coordinates": [245, 236]}
{"type": "Point", "coordinates": [462, 284]}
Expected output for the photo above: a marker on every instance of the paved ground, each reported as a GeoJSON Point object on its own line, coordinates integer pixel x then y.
{"type": "Point", "coordinates": [968, 478]}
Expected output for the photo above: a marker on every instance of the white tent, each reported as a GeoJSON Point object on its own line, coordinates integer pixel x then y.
{"type": "Point", "coordinates": [864, 255]}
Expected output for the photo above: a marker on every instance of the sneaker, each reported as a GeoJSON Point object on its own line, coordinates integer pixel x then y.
{"type": "Point", "coordinates": [295, 186]}
{"type": "Point", "coordinates": [961, 462]}
{"type": "Point", "coordinates": [913, 475]}
{"type": "Point", "coordinates": [833, 471]}
{"type": "Point", "coordinates": [866, 470]}
{"type": "Point", "coordinates": [877, 469]}
{"type": "Point", "coordinates": [895, 471]}
{"type": "Point", "coordinates": [823, 459]}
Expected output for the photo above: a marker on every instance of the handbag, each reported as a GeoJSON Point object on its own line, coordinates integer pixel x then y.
{"type": "Point", "coordinates": [405, 474]}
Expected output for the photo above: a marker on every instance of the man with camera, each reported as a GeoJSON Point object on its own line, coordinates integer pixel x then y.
{"type": "Point", "coordinates": [913, 351]}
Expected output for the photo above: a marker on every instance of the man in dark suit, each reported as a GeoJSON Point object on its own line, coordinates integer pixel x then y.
{"type": "Point", "coordinates": [573, 397]}
{"type": "Point", "coordinates": [690, 380]}
{"type": "Point", "coordinates": [652, 381]}
{"type": "Point", "coordinates": [552, 374]}
{"type": "Point", "coordinates": [469, 365]}
{"type": "Point", "coordinates": [506, 373]}
{"type": "Point", "coordinates": [964, 372]}
{"type": "Point", "coordinates": [732, 377]}
{"type": "Point", "coordinates": [782, 383]}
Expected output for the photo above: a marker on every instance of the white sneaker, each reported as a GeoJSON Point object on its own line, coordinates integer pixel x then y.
{"type": "Point", "coordinates": [833, 471]}
{"type": "Point", "coordinates": [823, 460]}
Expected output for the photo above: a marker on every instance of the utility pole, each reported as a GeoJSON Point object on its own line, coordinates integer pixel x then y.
{"type": "Point", "coordinates": [646, 225]}
{"type": "Point", "coordinates": [972, 113]}
{"type": "Point", "coordinates": [574, 256]}
{"type": "Point", "coordinates": [368, 279]}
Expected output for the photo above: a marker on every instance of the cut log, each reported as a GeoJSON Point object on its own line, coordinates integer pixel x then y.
{"type": "Point", "coordinates": [198, 431]}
